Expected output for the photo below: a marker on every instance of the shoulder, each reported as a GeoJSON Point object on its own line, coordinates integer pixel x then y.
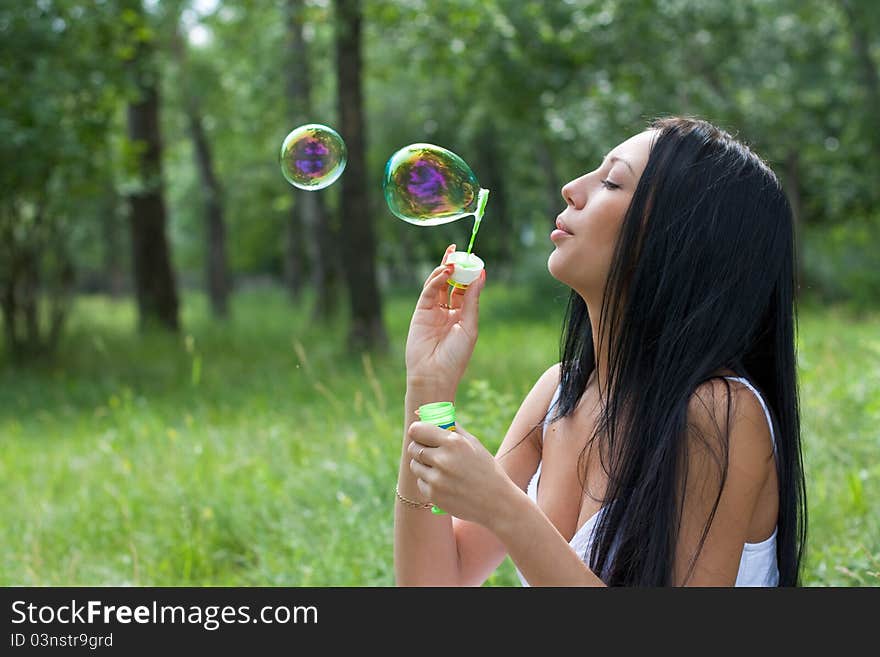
{"type": "Point", "coordinates": [550, 377]}
{"type": "Point", "coordinates": [536, 403]}
{"type": "Point", "coordinates": [545, 387]}
{"type": "Point", "coordinates": [547, 384]}
{"type": "Point", "coordinates": [732, 412]}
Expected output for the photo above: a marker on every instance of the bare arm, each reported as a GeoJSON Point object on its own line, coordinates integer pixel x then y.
{"type": "Point", "coordinates": [425, 553]}
{"type": "Point", "coordinates": [541, 553]}
{"type": "Point", "coordinates": [481, 550]}
{"type": "Point", "coordinates": [443, 550]}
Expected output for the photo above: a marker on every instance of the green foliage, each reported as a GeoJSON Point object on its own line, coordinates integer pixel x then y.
{"type": "Point", "coordinates": [58, 102]}
{"type": "Point", "coordinates": [251, 453]}
{"type": "Point", "coordinates": [530, 93]}
{"type": "Point", "coordinates": [843, 262]}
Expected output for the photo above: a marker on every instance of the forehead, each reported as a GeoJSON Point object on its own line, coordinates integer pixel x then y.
{"type": "Point", "coordinates": [636, 149]}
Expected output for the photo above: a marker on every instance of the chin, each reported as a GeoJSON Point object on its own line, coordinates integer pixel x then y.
{"type": "Point", "coordinates": [553, 266]}
{"type": "Point", "coordinates": [556, 267]}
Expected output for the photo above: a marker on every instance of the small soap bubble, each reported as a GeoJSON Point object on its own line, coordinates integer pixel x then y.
{"type": "Point", "coordinates": [313, 156]}
{"type": "Point", "coordinates": [429, 185]}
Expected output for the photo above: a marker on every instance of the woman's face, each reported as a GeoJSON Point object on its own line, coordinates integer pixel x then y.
{"type": "Point", "coordinates": [596, 203]}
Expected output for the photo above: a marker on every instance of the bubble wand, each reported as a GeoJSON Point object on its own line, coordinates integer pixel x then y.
{"type": "Point", "coordinates": [482, 199]}
{"type": "Point", "coordinates": [468, 263]}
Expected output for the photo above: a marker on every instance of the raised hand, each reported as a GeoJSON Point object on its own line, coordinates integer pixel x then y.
{"type": "Point", "coordinates": [442, 334]}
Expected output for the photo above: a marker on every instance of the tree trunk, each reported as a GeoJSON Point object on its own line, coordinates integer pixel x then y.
{"type": "Point", "coordinates": [403, 268]}
{"type": "Point", "coordinates": [60, 305]}
{"type": "Point", "coordinates": [325, 280]}
{"type": "Point", "coordinates": [294, 255]}
{"type": "Point", "coordinates": [8, 278]}
{"type": "Point", "coordinates": [358, 248]}
{"type": "Point", "coordinates": [8, 305]}
{"type": "Point", "coordinates": [29, 300]}
{"type": "Point", "coordinates": [308, 220]}
{"type": "Point", "coordinates": [503, 225]}
{"type": "Point", "coordinates": [26, 281]}
{"type": "Point", "coordinates": [114, 276]}
{"type": "Point", "coordinates": [216, 268]}
{"type": "Point", "coordinates": [153, 277]}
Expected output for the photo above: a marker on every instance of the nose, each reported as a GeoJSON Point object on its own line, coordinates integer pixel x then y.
{"type": "Point", "coordinates": [573, 194]}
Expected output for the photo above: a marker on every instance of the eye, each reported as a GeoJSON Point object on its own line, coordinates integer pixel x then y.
{"type": "Point", "coordinates": [609, 185]}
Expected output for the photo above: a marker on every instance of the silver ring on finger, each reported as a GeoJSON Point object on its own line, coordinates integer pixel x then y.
{"type": "Point", "coordinates": [420, 454]}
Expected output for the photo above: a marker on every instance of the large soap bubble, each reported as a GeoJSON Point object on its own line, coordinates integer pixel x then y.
{"type": "Point", "coordinates": [313, 156]}
{"type": "Point", "coordinates": [428, 185]}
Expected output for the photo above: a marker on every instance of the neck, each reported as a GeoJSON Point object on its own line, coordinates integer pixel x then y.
{"type": "Point", "coordinates": [600, 373]}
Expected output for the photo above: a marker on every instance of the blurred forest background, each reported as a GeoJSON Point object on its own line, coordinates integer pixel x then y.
{"type": "Point", "coordinates": [201, 371]}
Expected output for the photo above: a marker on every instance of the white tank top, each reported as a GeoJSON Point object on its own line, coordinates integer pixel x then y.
{"type": "Point", "coordinates": [757, 567]}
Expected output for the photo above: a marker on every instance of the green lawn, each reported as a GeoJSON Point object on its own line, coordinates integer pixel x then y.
{"type": "Point", "coordinates": [253, 453]}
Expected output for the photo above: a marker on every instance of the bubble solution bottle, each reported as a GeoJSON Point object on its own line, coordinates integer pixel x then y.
{"type": "Point", "coordinates": [441, 414]}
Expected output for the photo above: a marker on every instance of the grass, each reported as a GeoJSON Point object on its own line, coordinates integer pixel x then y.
{"type": "Point", "coordinates": [251, 452]}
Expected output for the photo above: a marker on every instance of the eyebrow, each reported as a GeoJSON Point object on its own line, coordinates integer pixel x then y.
{"type": "Point", "coordinates": [614, 158]}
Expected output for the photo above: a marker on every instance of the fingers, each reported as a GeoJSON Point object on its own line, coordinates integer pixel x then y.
{"type": "Point", "coordinates": [435, 287]}
{"type": "Point", "coordinates": [449, 249]}
{"type": "Point", "coordinates": [470, 304]}
{"type": "Point", "coordinates": [422, 454]}
{"type": "Point", "coordinates": [421, 471]}
{"type": "Point", "coordinates": [424, 488]}
{"type": "Point", "coordinates": [434, 273]}
{"type": "Point", "coordinates": [427, 435]}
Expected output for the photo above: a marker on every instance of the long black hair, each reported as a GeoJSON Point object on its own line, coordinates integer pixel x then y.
{"type": "Point", "coordinates": [702, 278]}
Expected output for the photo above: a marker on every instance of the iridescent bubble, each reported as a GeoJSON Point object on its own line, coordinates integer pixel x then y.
{"type": "Point", "coordinates": [428, 185]}
{"type": "Point", "coordinates": [313, 156]}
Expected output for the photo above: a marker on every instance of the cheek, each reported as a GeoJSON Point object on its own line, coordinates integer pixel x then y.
{"type": "Point", "coordinates": [587, 256]}
{"type": "Point", "coordinates": [601, 230]}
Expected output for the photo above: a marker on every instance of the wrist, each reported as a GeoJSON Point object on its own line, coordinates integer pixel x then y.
{"type": "Point", "coordinates": [509, 510]}
{"type": "Point", "coordinates": [430, 389]}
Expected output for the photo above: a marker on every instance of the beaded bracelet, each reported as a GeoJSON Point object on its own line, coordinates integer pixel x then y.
{"type": "Point", "coordinates": [417, 505]}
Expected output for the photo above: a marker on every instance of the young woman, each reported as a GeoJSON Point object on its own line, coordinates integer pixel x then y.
{"type": "Point", "coordinates": [664, 447]}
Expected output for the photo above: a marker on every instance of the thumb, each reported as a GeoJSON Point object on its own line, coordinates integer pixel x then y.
{"type": "Point", "coordinates": [470, 304]}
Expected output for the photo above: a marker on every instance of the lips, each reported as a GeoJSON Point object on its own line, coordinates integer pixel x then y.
{"type": "Point", "coordinates": [561, 226]}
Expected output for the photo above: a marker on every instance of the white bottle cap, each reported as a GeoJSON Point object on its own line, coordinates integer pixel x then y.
{"type": "Point", "coordinates": [467, 268]}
